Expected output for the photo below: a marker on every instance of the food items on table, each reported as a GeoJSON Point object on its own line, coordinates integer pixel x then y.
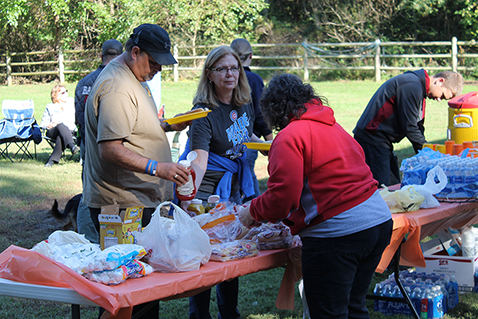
{"type": "Point", "coordinates": [234, 250]}
{"type": "Point", "coordinates": [131, 269]}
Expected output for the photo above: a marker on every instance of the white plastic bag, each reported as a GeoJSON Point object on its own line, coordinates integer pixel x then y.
{"type": "Point", "coordinates": [436, 181]}
{"type": "Point", "coordinates": [176, 245]}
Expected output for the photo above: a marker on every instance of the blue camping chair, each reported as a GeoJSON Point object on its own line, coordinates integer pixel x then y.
{"type": "Point", "coordinates": [18, 128]}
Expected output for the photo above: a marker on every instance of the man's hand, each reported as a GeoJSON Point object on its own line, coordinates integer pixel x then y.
{"type": "Point", "coordinates": [173, 172]}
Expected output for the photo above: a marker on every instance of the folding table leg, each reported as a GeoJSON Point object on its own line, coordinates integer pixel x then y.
{"type": "Point", "coordinates": [75, 311]}
{"type": "Point", "coordinates": [406, 298]}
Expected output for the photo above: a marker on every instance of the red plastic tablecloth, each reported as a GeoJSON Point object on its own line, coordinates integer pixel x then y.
{"type": "Point", "coordinates": [423, 223]}
{"type": "Point", "coordinates": [27, 266]}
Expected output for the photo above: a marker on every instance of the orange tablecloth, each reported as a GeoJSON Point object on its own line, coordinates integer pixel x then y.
{"type": "Point", "coordinates": [423, 223]}
{"type": "Point", "coordinates": [27, 266]}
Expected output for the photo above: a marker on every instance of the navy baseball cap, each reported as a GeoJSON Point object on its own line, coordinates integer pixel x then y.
{"type": "Point", "coordinates": [155, 40]}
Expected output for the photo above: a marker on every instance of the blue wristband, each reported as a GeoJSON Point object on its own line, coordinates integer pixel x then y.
{"type": "Point", "coordinates": [146, 170]}
{"type": "Point", "coordinates": [152, 170]}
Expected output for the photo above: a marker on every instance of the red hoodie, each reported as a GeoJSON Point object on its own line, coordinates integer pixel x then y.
{"type": "Point", "coordinates": [317, 171]}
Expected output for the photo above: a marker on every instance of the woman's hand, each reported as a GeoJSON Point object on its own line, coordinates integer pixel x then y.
{"type": "Point", "coordinates": [245, 217]}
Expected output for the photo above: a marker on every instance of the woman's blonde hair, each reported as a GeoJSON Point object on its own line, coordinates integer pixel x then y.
{"type": "Point", "coordinates": [206, 93]}
{"type": "Point", "coordinates": [54, 92]}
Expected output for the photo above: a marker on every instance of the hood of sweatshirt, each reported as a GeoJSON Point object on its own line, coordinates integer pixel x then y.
{"type": "Point", "coordinates": [316, 111]}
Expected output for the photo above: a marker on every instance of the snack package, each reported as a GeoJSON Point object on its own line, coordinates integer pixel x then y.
{"type": "Point", "coordinates": [234, 250]}
{"type": "Point", "coordinates": [132, 269]}
{"type": "Point", "coordinates": [114, 256]}
{"type": "Point", "coordinates": [69, 248]}
{"type": "Point", "coordinates": [272, 236]}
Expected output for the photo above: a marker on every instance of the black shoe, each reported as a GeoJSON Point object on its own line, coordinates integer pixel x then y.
{"type": "Point", "coordinates": [49, 163]}
{"type": "Point", "coordinates": [75, 149]}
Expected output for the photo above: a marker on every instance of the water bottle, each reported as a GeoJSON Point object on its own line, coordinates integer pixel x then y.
{"type": "Point", "coordinates": [387, 290]}
{"type": "Point", "coordinates": [378, 290]}
{"type": "Point", "coordinates": [425, 303]}
{"type": "Point", "coordinates": [437, 302]}
{"type": "Point", "coordinates": [450, 175]}
{"type": "Point", "coordinates": [469, 174]}
{"type": "Point", "coordinates": [452, 292]}
{"type": "Point", "coordinates": [459, 175]}
{"type": "Point", "coordinates": [444, 292]}
{"type": "Point", "coordinates": [396, 292]}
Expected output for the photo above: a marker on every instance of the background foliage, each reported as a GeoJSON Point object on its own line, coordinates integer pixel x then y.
{"type": "Point", "coordinates": [46, 24]}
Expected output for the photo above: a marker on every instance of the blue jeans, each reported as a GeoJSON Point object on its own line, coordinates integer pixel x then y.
{"type": "Point", "coordinates": [337, 271]}
{"type": "Point", "coordinates": [85, 224]}
{"type": "Point", "coordinates": [227, 294]}
{"type": "Point", "coordinates": [251, 156]}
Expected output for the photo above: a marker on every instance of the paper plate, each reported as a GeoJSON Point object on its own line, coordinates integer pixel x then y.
{"type": "Point", "coordinates": [258, 146]}
{"type": "Point", "coordinates": [187, 117]}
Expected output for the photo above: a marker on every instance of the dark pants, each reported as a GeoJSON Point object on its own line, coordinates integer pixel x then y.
{"type": "Point", "coordinates": [382, 162]}
{"type": "Point", "coordinates": [61, 134]}
{"type": "Point", "coordinates": [337, 271]}
{"type": "Point", "coordinates": [153, 312]}
{"type": "Point", "coordinates": [227, 294]}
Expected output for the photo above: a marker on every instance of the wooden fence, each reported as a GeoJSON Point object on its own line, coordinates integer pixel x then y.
{"type": "Point", "coordinates": [372, 59]}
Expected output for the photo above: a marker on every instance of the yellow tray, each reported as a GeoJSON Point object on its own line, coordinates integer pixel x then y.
{"type": "Point", "coordinates": [187, 117]}
{"type": "Point", "coordinates": [258, 146]}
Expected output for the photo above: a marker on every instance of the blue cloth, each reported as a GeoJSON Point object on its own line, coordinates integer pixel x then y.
{"type": "Point", "coordinates": [230, 167]}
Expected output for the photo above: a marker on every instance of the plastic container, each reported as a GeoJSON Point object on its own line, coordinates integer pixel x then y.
{"type": "Point", "coordinates": [212, 201]}
{"type": "Point", "coordinates": [449, 147]}
{"type": "Point", "coordinates": [463, 118]}
{"type": "Point", "coordinates": [196, 206]}
{"type": "Point", "coordinates": [188, 191]}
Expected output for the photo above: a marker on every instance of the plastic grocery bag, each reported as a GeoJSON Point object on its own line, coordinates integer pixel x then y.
{"type": "Point", "coordinates": [174, 245]}
{"type": "Point", "coordinates": [435, 182]}
{"type": "Point", "coordinates": [402, 200]}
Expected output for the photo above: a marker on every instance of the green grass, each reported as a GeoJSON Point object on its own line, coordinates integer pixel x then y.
{"type": "Point", "coordinates": [27, 191]}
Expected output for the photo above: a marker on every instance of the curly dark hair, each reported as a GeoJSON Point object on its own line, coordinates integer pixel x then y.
{"type": "Point", "coordinates": [284, 98]}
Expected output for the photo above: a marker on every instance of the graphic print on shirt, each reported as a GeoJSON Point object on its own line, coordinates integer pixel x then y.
{"type": "Point", "coordinates": [237, 133]}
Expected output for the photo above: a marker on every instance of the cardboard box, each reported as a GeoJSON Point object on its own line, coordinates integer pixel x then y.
{"type": "Point", "coordinates": [431, 247]}
{"type": "Point", "coordinates": [117, 227]}
{"type": "Point", "coordinates": [462, 267]}
{"type": "Point", "coordinates": [448, 238]}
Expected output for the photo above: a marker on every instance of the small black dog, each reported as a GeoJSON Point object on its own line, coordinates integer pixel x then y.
{"type": "Point", "coordinates": [70, 212]}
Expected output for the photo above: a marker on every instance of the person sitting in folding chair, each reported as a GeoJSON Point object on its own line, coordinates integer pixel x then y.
{"type": "Point", "coordinates": [59, 121]}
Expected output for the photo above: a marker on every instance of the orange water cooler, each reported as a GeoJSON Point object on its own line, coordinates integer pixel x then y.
{"type": "Point", "coordinates": [463, 118]}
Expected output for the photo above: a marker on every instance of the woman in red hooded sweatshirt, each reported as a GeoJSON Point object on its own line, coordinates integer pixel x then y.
{"type": "Point", "coordinates": [321, 187]}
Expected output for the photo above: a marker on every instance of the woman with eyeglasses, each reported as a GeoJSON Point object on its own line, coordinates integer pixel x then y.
{"type": "Point", "coordinates": [59, 121]}
{"type": "Point", "coordinates": [221, 166]}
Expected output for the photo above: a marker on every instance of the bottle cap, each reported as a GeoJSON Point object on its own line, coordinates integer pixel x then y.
{"type": "Point", "coordinates": [213, 199]}
{"type": "Point", "coordinates": [196, 201]}
{"type": "Point", "coordinates": [185, 163]}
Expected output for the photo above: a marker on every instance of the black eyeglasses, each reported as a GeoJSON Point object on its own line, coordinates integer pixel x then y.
{"type": "Point", "coordinates": [234, 69]}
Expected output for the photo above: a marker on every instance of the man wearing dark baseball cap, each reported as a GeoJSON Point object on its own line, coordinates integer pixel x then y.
{"type": "Point", "coordinates": [128, 156]}
{"type": "Point", "coordinates": [155, 40]}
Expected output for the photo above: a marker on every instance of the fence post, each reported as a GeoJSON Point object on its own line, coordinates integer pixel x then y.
{"type": "Point", "coordinates": [175, 66]}
{"type": "Point", "coordinates": [378, 75]}
{"type": "Point", "coordinates": [306, 61]}
{"type": "Point", "coordinates": [61, 66]}
{"type": "Point", "coordinates": [454, 52]}
{"type": "Point", "coordinates": [8, 61]}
